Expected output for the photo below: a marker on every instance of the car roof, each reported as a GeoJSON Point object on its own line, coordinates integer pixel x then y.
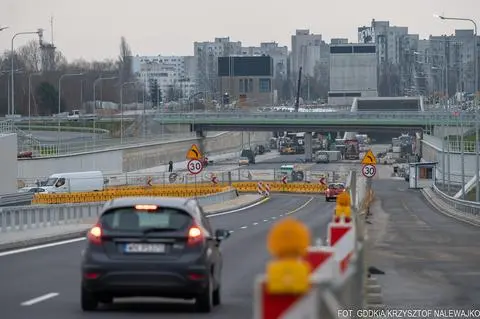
{"type": "Point", "coordinates": [173, 202]}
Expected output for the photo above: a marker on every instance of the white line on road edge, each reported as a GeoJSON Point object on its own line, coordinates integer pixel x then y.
{"type": "Point", "coordinates": [239, 209]}
{"type": "Point", "coordinates": [70, 241]}
{"type": "Point", "coordinates": [301, 207]}
{"type": "Point", "coordinates": [39, 299]}
{"type": "Point", "coordinates": [24, 250]}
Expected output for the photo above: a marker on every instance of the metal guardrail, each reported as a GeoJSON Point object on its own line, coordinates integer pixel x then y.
{"type": "Point", "coordinates": [16, 199]}
{"type": "Point", "coordinates": [410, 118]}
{"type": "Point", "coordinates": [465, 206]}
{"type": "Point", "coordinates": [22, 218]}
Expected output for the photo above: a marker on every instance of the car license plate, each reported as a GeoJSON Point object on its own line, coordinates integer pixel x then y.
{"type": "Point", "coordinates": [145, 248]}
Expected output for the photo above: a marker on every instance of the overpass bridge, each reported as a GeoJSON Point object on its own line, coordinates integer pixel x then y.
{"type": "Point", "coordinates": [301, 122]}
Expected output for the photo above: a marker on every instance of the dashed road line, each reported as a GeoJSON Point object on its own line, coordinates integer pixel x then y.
{"type": "Point", "coordinates": [39, 299]}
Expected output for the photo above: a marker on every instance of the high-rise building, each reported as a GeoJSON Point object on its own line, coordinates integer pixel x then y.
{"type": "Point", "coordinates": [207, 54]}
{"type": "Point", "coordinates": [279, 55]}
{"type": "Point", "coordinates": [353, 72]}
{"type": "Point", "coordinates": [175, 75]}
{"type": "Point", "coordinates": [308, 51]}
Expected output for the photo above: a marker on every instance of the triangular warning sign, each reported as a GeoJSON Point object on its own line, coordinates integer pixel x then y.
{"type": "Point", "coordinates": [194, 153]}
{"type": "Point", "coordinates": [369, 158]}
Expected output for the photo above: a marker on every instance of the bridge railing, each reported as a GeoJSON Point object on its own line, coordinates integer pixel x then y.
{"type": "Point", "coordinates": [468, 207]}
{"type": "Point", "coordinates": [427, 117]}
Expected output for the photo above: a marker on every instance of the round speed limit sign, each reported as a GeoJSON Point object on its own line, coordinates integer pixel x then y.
{"type": "Point", "coordinates": [369, 171]}
{"type": "Point", "coordinates": [194, 167]}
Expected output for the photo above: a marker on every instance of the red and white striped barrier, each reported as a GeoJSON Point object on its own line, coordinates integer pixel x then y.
{"type": "Point", "coordinates": [267, 190]}
{"type": "Point", "coordinates": [271, 306]}
{"type": "Point", "coordinates": [341, 236]}
{"type": "Point", "coordinates": [260, 188]}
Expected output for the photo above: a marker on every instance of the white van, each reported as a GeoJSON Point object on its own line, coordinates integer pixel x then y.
{"type": "Point", "coordinates": [74, 182]}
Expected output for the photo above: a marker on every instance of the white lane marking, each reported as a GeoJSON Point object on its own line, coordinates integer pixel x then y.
{"type": "Point", "coordinates": [301, 207]}
{"type": "Point", "coordinates": [39, 299]}
{"type": "Point", "coordinates": [265, 220]}
{"type": "Point", "coordinates": [70, 241]}
{"type": "Point", "coordinates": [24, 250]}
{"type": "Point", "coordinates": [255, 224]}
{"type": "Point", "coordinates": [243, 227]}
{"type": "Point", "coordinates": [239, 209]}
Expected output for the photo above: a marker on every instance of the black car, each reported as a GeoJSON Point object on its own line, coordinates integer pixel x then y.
{"type": "Point", "coordinates": [152, 247]}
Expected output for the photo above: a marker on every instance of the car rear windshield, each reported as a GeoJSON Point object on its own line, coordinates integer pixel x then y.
{"type": "Point", "coordinates": [130, 219]}
{"type": "Point", "coordinates": [336, 186]}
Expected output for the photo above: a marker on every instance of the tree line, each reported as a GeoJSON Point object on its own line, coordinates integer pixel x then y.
{"type": "Point", "coordinates": [43, 67]}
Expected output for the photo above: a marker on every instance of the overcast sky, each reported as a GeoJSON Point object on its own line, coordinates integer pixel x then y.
{"type": "Point", "coordinates": [91, 29]}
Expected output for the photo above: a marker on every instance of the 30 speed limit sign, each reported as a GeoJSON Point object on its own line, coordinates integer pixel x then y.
{"type": "Point", "coordinates": [369, 170]}
{"type": "Point", "coordinates": [194, 166]}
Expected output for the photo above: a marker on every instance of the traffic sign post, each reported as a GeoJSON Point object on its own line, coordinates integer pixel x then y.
{"type": "Point", "coordinates": [369, 171]}
{"type": "Point", "coordinates": [194, 166]}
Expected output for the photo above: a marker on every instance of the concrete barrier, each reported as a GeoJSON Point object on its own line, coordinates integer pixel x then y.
{"type": "Point", "coordinates": [22, 218]}
{"type": "Point", "coordinates": [132, 158]}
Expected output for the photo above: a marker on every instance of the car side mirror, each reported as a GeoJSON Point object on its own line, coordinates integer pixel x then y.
{"type": "Point", "coordinates": [222, 234]}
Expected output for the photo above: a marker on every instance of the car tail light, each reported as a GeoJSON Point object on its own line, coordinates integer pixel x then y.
{"type": "Point", "coordinates": [194, 276]}
{"type": "Point", "coordinates": [94, 235]}
{"type": "Point", "coordinates": [195, 235]}
{"type": "Point", "coordinates": [91, 275]}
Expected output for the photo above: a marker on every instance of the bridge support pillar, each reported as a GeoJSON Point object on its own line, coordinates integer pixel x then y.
{"type": "Point", "coordinates": [201, 135]}
{"type": "Point", "coordinates": [308, 146]}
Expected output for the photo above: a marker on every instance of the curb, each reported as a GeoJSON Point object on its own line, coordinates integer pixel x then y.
{"type": "Point", "coordinates": [81, 233]}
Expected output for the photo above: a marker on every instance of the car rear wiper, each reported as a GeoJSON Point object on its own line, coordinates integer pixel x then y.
{"type": "Point", "coordinates": [157, 229]}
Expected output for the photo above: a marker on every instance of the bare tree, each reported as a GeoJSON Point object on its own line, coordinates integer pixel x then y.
{"type": "Point", "coordinates": [30, 54]}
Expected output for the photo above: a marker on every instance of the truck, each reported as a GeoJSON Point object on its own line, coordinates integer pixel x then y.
{"type": "Point", "coordinates": [92, 181]}
{"type": "Point", "coordinates": [352, 151]}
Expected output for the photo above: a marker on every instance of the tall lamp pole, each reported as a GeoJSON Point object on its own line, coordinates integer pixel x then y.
{"type": "Point", "coordinates": [477, 137]}
{"type": "Point", "coordinates": [12, 58]}
{"type": "Point", "coordinates": [95, 104]}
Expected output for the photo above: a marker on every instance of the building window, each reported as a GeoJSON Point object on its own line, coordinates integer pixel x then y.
{"type": "Point", "coordinates": [250, 85]}
{"type": "Point", "coordinates": [240, 86]}
{"type": "Point", "coordinates": [264, 85]}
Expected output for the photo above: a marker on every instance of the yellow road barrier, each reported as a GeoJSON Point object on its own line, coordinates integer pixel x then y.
{"type": "Point", "coordinates": [89, 197]}
{"type": "Point", "coordinates": [279, 187]}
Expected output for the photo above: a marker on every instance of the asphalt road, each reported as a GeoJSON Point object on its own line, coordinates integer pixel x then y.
{"type": "Point", "coordinates": [56, 270]}
{"type": "Point", "coordinates": [430, 260]}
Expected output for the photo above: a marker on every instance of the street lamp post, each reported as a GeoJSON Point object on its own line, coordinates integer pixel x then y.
{"type": "Point", "coordinates": [95, 104]}
{"type": "Point", "coordinates": [60, 98]}
{"type": "Point", "coordinates": [477, 134]}
{"type": "Point", "coordinates": [121, 108]}
{"type": "Point", "coordinates": [39, 32]}
{"type": "Point", "coordinates": [30, 98]}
